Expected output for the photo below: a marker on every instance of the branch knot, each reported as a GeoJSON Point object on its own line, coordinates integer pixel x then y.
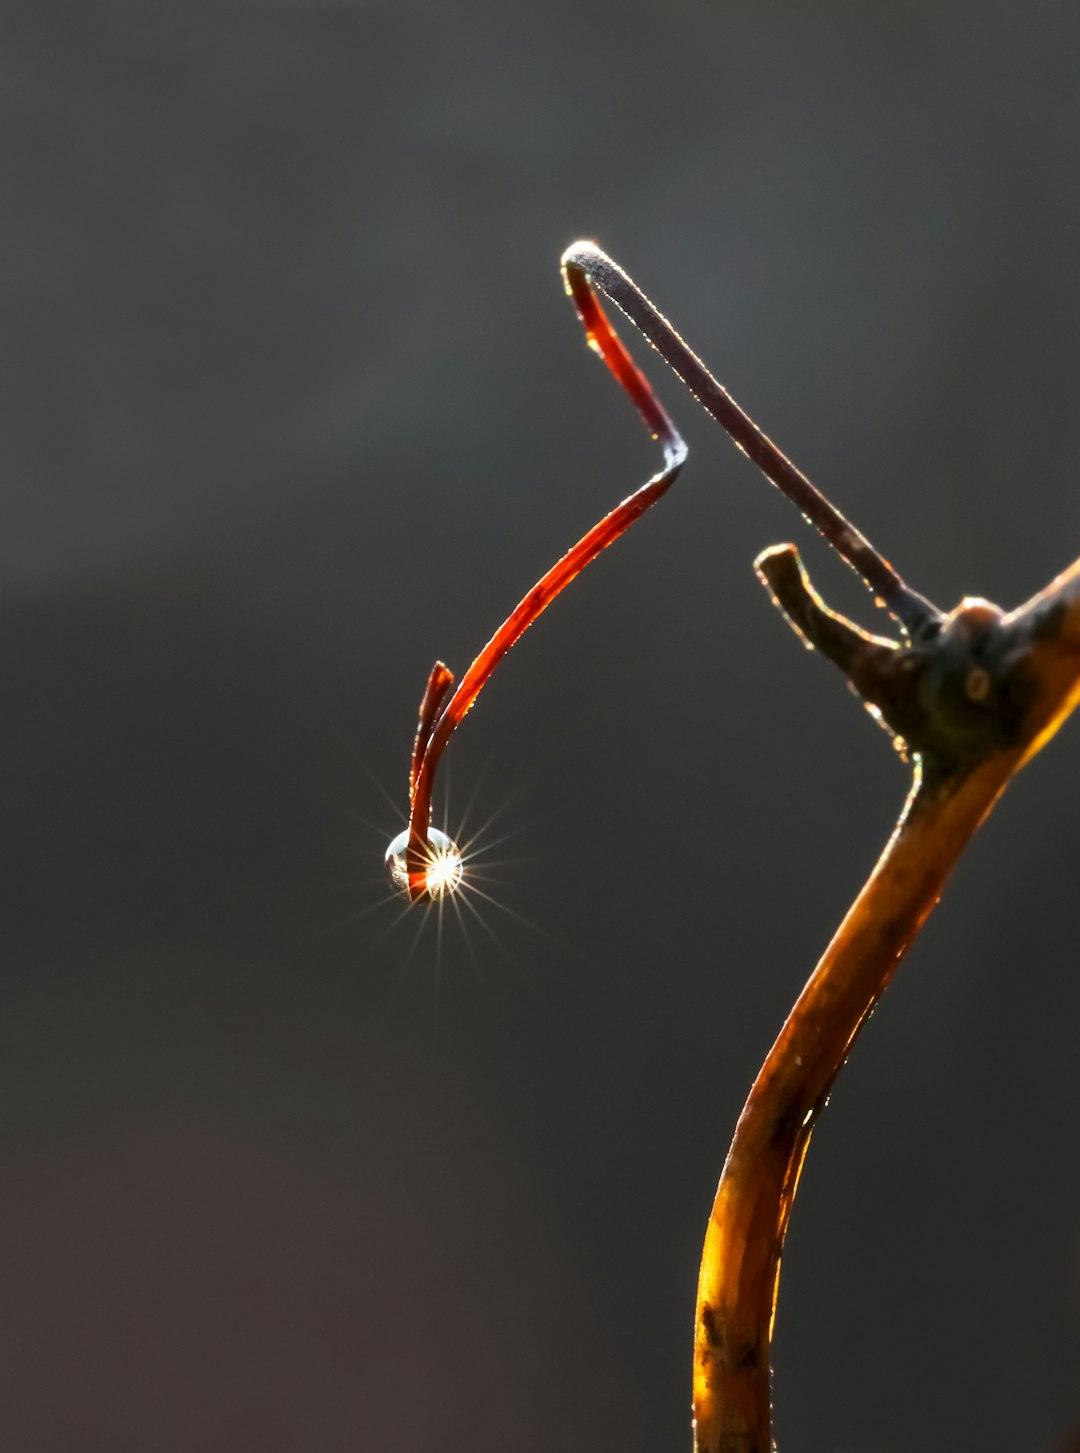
{"type": "Point", "coordinates": [951, 693]}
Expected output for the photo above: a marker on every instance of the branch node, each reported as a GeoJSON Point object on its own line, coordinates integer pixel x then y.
{"type": "Point", "coordinates": [859, 655]}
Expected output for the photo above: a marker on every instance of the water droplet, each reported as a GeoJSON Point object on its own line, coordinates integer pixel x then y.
{"type": "Point", "coordinates": [443, 869]}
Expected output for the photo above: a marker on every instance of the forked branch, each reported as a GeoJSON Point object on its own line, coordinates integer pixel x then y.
{"type": "Point", "coordinates": [1021, 674]}
{"type": "Point", "coordinates": [585, 266]}
{"type": "Point", "coordinates": [969, 697]}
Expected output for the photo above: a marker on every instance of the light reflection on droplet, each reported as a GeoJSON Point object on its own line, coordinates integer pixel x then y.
{"type": "Point", "coordinates": [443, 870]}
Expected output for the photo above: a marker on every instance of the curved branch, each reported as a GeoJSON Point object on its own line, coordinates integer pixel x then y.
{"type": "Point", "coordinates": [740, 1264]}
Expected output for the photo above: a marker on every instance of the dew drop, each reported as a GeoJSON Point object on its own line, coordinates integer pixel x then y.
{"type": "Point", "coordinates": [443, 869]}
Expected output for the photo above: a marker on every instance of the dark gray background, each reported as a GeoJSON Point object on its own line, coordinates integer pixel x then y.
{"type": "Point", "coordinates": [293, 403]}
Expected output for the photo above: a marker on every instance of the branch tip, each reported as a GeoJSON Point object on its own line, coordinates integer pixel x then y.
{"type": "Point", "coordinates": [839, 640]}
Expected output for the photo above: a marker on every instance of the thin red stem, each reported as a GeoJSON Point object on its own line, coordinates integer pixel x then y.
{"type": "Point", "coordinates": [439, 683]}
{"type": "Point", "coordinates": [603, 338]}
{"type": "Point", "coordinates": [587, 269]}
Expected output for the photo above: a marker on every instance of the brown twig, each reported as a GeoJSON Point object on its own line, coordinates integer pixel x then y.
{"type": "Point", "coordinates": [1019, 677]}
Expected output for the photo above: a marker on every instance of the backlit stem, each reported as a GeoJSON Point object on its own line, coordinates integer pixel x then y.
{"type": "Point", "coordinates": [913, 611]}
{"type": "Point", "coordinates": [603, 338]}
{"type": "Point", "coordinates": [740, 1264]}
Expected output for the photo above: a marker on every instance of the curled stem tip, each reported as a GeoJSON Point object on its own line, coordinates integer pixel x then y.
{"type": "Point", "coordinates": [439, 716]}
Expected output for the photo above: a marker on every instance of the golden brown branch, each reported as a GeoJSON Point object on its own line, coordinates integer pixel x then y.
{"type": "Point", "coordinates": [1027, 667]}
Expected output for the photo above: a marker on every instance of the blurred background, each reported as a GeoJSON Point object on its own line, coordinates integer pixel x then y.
{"type": "Point", "coordinates": [295, 403]}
